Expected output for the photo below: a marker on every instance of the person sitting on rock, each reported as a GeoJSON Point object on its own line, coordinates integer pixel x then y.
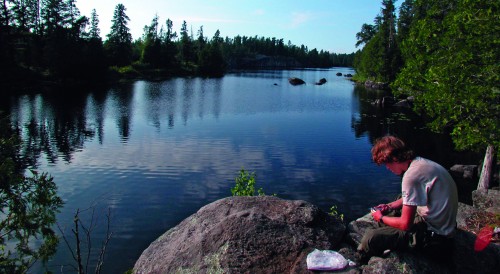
{"type": "Point", "coordinates": [427, 209]}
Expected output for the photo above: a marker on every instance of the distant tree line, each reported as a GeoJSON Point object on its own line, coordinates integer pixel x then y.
{"type": "Point", "coordinates": [444, 53]}
{"type": "Point", "coordinates": [51, 40]}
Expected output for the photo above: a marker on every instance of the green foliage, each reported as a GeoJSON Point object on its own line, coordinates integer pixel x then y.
{"type": "Point", "coordinates": [126, 72]}
{"type": "Point", "coordinates": [446, 55]}
{"type": "Point", "coordinates": [452, 69]}
{"type": "Point", "coordinates": [380, 59]}
{"type": "Point", "coordinates": [370, 62]}
{"type": "Point", "coordinates": [28, 207]}
{"type": "Point", "coordinates": [245, 185]}
{"type": "Point", "coordinates": [366, 34]}
{"type": "Point", "coordinates": [335, 213]}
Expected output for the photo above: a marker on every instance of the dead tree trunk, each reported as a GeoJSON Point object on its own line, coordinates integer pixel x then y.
{"type": "Point", "coordinates": [487, 170]}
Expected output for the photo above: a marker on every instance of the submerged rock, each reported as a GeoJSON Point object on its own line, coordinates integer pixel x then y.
{"type": "Point", "coordinates": [261, 234]}
{"type": "Point", "coordinates": [321, 82]}
{"type": "Point", "coordinates": [296, 81]}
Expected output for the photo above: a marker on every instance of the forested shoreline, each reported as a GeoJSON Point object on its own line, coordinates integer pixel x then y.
{"type": "Point", "coordinates": [51, 42]}
{"type": "Point", "coordinates": [445, 55]}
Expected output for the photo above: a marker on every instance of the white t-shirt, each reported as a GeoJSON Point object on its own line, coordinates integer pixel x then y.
{"type": "Point", "coordinates": [431, 188]}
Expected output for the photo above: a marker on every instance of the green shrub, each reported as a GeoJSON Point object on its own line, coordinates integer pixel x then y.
{"type": "Point", "coordinates": [245, 185]}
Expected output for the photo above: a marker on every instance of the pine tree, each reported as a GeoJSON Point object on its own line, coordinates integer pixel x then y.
{"type": "Point", "coordinates": [380, 58]}
{"type": "Point", "coordinates": [119, 43]}
{"type": "Point", "coordinates": [5, 14]}
{"type": "Point", "coordinates": [365, 35]}
{"type": "Point", "coordinates": [186, 53]}
{"type": "Point", "coordinates": [405, 19]}
{"type": "Point", "coordinates": [55, 16]}
{"type": "Point", "coordinates": [169, 49]}
{"type": "Point", "coordinates": [95, 32]}
{"type": "Point", "coordinates": [26, 14]}
{"type": "Point", "coordinates": [201, 41]}
{"type": "Point", "coordinates": [151, 52]}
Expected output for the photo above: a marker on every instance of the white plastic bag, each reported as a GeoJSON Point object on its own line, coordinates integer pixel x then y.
{"type": "Point", "coordinates": [325, 260]}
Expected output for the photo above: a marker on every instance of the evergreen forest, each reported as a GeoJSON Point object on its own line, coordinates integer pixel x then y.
{"type": "Point", "coordinates": [50, 41]}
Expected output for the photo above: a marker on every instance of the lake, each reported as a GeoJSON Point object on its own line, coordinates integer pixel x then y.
{"type": "Point", "coordinates": [155, 152]}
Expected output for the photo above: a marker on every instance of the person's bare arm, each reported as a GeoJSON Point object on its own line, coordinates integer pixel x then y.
{"type": "Point", "coordinates": [404, 222]}
{"type": "Point", "coordinates": [396, 204]}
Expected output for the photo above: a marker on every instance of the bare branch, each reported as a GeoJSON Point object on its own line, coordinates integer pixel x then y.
{"type": "Point", "coordinates": [66, 241]}
{"type": "Point", "coordinates": [77, 235]}
{"type": "Point", "coordinates": [100, 261]}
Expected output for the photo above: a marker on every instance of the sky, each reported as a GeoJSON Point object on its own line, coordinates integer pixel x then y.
{"type": "Point", "coordinates": [329, 25]}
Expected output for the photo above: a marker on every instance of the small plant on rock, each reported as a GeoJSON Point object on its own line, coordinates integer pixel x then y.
{"type": "Point", "coordinates": [335, 213]}
{"type": "Point", "coordinates": [245, 184]}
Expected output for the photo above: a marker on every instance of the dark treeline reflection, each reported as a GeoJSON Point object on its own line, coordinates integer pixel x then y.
{"type": "Point", "coordinates": [122, 99]}
{"type": "Point", "coordinates": [55, 126]}
{"type": "Point", "coordinates": [58, 126]}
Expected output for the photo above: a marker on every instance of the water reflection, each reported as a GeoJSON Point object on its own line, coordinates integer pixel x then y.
{"type": "Point", "coordinates": [373, 121]}
{"type": "Point", "coordinates": [122, 99]}
{"type": "Point", "coordinates": [96, 112]}
{"type": "Point", "coordinates": [50, 129]}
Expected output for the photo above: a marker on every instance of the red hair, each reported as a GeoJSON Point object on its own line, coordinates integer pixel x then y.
{"type": "Point", "coordinates": [391, 149]}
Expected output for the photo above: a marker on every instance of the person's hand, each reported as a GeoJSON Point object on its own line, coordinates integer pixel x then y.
{"type": "Point", "coordinates": [377, 214]}
{"type": "Point", "coordinates": [384, 208]}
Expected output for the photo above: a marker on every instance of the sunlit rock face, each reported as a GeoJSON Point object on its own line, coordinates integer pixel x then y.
{"type": "Point", "coordinates": [261, 234]}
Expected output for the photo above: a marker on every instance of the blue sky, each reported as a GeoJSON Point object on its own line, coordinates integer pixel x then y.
{"type": "Point", "coordinates": [322, 24]}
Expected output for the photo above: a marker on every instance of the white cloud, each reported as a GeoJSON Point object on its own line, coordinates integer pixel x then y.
{"type": "Point", "coordinates": [300, 18]}
{"type": "Point", "coordinates": [259, 12]}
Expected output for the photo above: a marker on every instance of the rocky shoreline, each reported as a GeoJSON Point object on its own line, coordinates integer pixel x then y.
{"type": "Point", "coordinates": [266, 234]}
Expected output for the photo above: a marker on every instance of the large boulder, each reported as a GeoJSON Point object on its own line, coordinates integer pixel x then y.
{"type": "Point", "coordinates": [376, 85]}
{"type": "Point", "coordinates": [296, 81]}
{"type": "Point", "coordinates": [466, 178]}
{"type": "Point", "coordinates": [261, 234]}
{"type": "Point", "coordinates": [321, 81]}
{"type": "Point", "coordinates": [487, 200]}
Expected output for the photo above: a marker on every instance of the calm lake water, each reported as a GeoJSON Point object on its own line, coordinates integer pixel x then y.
{"type": "Point", "coordinates": [155, 152]}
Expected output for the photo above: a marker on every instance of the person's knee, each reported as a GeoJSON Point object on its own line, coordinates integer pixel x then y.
{"type": "Point", "coordinates": [369, 241]}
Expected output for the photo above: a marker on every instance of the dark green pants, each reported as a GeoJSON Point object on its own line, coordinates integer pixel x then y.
{"type": "Point", "coordinates": [377, 240]}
